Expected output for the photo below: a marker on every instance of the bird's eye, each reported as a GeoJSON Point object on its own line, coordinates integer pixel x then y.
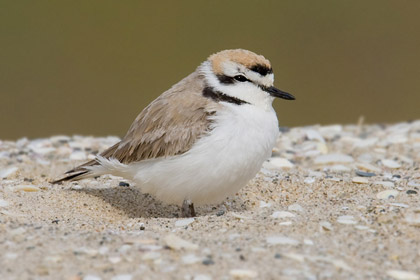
{"type": "Point", "coordinates": [240, 78]}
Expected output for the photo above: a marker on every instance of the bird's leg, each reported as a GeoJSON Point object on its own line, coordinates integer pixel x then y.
{"type": "Point", "coordinates": [187, 209]}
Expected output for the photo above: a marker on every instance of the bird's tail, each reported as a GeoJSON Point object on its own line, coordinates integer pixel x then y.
{"type": "Point", "coordinates": [97, 167]}
{"type": "Point", "coordinates": [89, 169]}
{"type": "Point", "coordinates": [78, 173]}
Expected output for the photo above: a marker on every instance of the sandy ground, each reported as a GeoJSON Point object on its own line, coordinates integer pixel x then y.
{"type": "Point", "coordinates": [307, 214]}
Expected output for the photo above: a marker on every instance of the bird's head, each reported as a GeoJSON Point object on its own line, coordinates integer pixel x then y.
{"type": "Point", "coordinates": [243, 75]}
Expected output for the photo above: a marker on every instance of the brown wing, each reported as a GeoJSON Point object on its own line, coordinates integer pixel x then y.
{"type": "Point", "coordinates": [169, 126]}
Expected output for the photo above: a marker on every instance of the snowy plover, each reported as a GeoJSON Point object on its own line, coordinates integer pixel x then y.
{"type": "Point", "coordinates": [204, 138]}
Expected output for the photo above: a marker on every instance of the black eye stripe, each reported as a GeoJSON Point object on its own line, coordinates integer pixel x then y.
{"type": "Point", "coordinates": [227, 80]}
{"type": "Point", "coordinates": [241, 78]}
{"type": "Point", "coordinates": [223, 79]}
{"type": "Point", "coordinates": [261, 69]}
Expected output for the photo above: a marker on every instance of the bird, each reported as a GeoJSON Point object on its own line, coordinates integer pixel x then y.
{"type": "Point", "coordinates": [203, 139]}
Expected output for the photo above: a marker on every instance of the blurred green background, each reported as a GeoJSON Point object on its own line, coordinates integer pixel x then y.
{"type": "Point", "coordinates": [89, 67]}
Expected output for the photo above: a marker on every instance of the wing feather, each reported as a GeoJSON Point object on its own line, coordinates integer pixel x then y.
{"type": "Point", "coordinates": [168, 126]}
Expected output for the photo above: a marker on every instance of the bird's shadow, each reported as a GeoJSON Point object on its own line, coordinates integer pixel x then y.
{"type": "Point", "coordinates": [136, 204]}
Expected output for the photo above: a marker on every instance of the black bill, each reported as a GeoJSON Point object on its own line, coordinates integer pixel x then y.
{"type": "Point", "coordinates": [278, 93]}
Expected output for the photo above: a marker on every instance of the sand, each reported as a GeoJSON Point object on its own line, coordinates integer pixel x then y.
{"type": "Point", "coordinates": [307, 214]}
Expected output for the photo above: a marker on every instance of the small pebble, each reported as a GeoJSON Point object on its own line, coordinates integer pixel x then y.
{"type": "Point", "coordinates": [386, 184]}
{"type": "Point", "coordinates": [258, 250]}
{"type": "Point", "coordinates": [17, 231]}
{"type": "Point", "coordinates": [114, 259]}
{"type": "Point", "coordinates": [322, 148]}
{"type": "Point", "coordinates": [103, 250]}
{"type": "Point", "coordinates": [190, 259]}
{"type": "Point", "coordinates": [347, 220]}
{"type": "Point", "coordinates": [330, 131]}
{"type": "Point", "coordinates": [388, 194]}
{"type": "Point", "coordinates": [149, 256]}
{"type": "Point", "coordinates": [413, 219]}
{"type": "Point", "coordinates": [308, 242]}
{"type": "Point", "coordinates": [309, 180]}
{"type": "Point", "coordinates": [295, 207]}
{"type": "Point", "coordinates": [281, 240]}
{"type": "Point", "coordinates": [334, 179]}
{"type": "Point", "coordinates": [367, 167]}
{"type": "Point", "coordinates": [365, 174]}
{"type": "Point", "coordinates": [264, 204]}
{"type": "Point", "coordinates": [402, 205]}
{"type": "Point", "coordinates": [340, 264]}
{"type": "Point", "coordinates": [208, 261]}
{"type": "Point", "coordinates": [27, 188]}
{"type": "Point", "coordinates": [413, 184]}
{"type": "Point", "coordinates": [78, 155]}
{"type": "Point", "coordinates": [339, 168]}
{"type": "Point", "coordinates": [122, 277]}
{"type": "Point", "coordinates": [220, 213]}
{"type": "Point", "coordinates": [243, 273]}
{"type": "Point", "coordinates": [333, 158]}
{"type": "Point", "coordinates": [390, 163]}
{"type": "Point", "coordinates": [278, 163]}
{"type": "Point", "coordinates": [365, 143]}
{"type": "Point", "coordinates": [402, 275]}
{"type": "Point", "coordinates": [239, 216]}
{"type": "Point", "coordinates": [11, 256]}
{"type": "Point", "coordinates": [42, 150]}
{"type": "Point", "coordinates": [294, 256]}
{"type": "Point", "coordinates": [184, 222]}
{"type": "Point", "coordinates": [85, 251]}
{"type": "Point", "coordinates": [314, 135]}
{"type": "Point", "coordinates": [3, 203]}
{"type": "Point", "coordinates": [326, 226]}
{"type": "Point", "coordinates": [360, 180]}
{"type": "Point", "coordinates": [4, 173]}
{"type": "Point", "coordinates": [91, 277]}
{"type": "Point", "coordinates": [124, 249]}
{"type": "Point", "coordinates": [202, 277]}
{"type": "Point", "coordinates": [360, 227]}
{"type": "Point", "coordinates": [282, 214]}
{"type": "Point", "coordinates": [176, 243]}
{"type": "Point", "coordinates": [316, 174]}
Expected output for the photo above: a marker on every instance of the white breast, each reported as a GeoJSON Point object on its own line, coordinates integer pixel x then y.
{"type": "Point", "coordinates": [219, 164]}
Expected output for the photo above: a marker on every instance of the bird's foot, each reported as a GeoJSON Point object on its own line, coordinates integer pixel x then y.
{"type": "Point", "coordinates": [187, 209]}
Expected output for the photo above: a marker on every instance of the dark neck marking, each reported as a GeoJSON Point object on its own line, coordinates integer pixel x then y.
{"type": "Point", "coordinates": [218, 96]}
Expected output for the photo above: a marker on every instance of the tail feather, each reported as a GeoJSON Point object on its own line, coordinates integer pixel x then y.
{"type": "Point", "coordinates": [87, 169]}
{"type": "Point", "coordinates": [73, 177]}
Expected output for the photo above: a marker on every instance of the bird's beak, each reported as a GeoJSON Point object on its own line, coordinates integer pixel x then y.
{"type": "Point", "coordinates": [275, 92]}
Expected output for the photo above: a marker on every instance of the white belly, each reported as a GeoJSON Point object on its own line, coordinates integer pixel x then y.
{"type": "Point", "coordinates": [218, 165]}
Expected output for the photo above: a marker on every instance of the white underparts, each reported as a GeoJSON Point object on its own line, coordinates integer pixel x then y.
{"type": "Point", "coordinates": [217, 165]}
